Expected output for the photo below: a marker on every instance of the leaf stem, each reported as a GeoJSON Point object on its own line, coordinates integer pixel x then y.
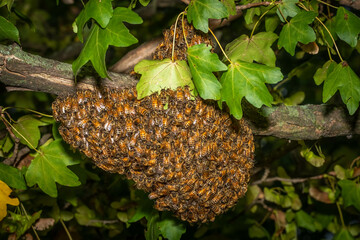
{"type": "Point", "coordinates": [183, 29]}
{"type": "Point", "coordinates": [328, 4]}
{"type": "Point", "coordinates": [217, 41]}
{"type": "Point", "coordinates": [257, 22]}
{"type": "Point", "coordinates": [21, 135]}
{"type": "Point", "coordinates": [332, 38]}
{"type": "Point", "coordinates": [282, 14]}
{"type": "Point", "coordinates": [66, 229]}
{"type": "Point", "coordinates": [30, 110]}
{"type": "Point", "coordinates": [340, 214]}
{"type": "Point", "coordinates": [27, 216]}
{"type": "Point", "coordinates": [173, 46]}
{"type": "Point", "coordinates": [328, 49]}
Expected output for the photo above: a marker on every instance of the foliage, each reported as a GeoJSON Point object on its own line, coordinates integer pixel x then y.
{"type": "Point", "coordinates": [275, 53]}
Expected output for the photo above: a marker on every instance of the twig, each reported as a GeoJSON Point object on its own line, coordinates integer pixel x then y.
{"type": "Point", "coordinates": [11, 160]}
{"type": "Point", "coordinates": [292, 180]}
{"type": "Point", "coordinates": [186, 1]}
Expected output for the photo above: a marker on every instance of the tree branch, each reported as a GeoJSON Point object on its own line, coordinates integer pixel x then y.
{"type": "Point", "coordinates": [21, 70]}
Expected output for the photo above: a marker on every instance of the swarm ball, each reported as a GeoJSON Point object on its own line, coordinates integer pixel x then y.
{"type": "Point", "coordinates": [191, 157]}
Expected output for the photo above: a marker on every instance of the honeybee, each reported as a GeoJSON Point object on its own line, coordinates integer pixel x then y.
{"type": "Point", "coordinates": [80, 113]}
{"type": "Point", "coordinates": [188, 109]}
{"type": "Point", "coordinates": [142, 111]}
{"type": "Point", "coordinates": [151, 171]}
{"type": "Point", "coordinates": [129, 126]}
{"type": "Point", "coordinates": [99, 105]}
{"type": "Point", "coordinates": [164, 122]}
{"type": "Point", "coordinates": [165, 145]}
{"type": "Point", "coordinates": [179, 94]}
{"type": "Point", "coordinates": [216, 198]}
{"type": "Point", "coordinates": [172, 187]}
{"type": "Point", "coordinates": [170, 176]}
{"type": "Point", "coordinates": [188, 123]}
{"type": "Point", "coordinates": [128, 109]}
{"type": "Point", "coordinates": [154, 102]}
{"type": "Point", "coordinates": [166, 159]}
{"type": "Point", "coordinates": [143, 134]}
{"type": "Point", "coordinates": [186, 188]}
{"type": "Point", "coordinates": [96, 124]}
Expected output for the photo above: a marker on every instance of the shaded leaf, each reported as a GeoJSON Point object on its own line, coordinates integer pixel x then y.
{"type": "Point", "coordinates": [28, 128]}
{"type": "Point", "coordinates": [171, 228]}
{"type": "Point", "coordinates": [99, 39]}
{"type": "Point", "coordinates": [271, 23]}
{"type": "Point", "coordinates": [350, 193]}
{"type": "Point", "coordinates": [144, 2]}
{"type": "Point", "coordinates": [12, 176]}
{"type": "Point", "coordinates": [230, 6]}
{"type": "Point", "coordinates": [251, 12]}
{"type": "Point", "coordinates": [22, 223]}
{"type": "Point", "coordinates": [247, 80]}
{"type": "Point", "coordinates": [87, 217]}
{"type": "Point", "coordinates": [312, 158]}
{"type": "Point", "coordinates": [347, 26]}
{"type": "Point", "coordinates": [50, 166]}
{"type": "Point", "coordinates": [161, 74]}
{"type": "Point", "coordinates": [8, 31]}
{"type": "Point", "coordinates": [5, 191]}
{"type": "Point", "coordinates": [258, 48]}
{"type": "Point", "coordinates": [343, 234]}
{"type": "Point", "coordinates": [297, 30]}
{"type": "Point", "coordinates": [287, 8]}
{"type": "Point", "coordinates": [304, 220]}
{"type": "Point", "coordinates": [258, 231]}
{"type": "Point", "coordinates": [202, 65]}
{"type": "Point", "coordinates": [323, 73]}
{"type": "Point", "coordinates": [100, 11]}
{"type": "Point", "coordinates": [153, 232]}
{"type": "Point", "coordinates": [344, 79]}
{"type": "Point", "coordinates": [199, 12]}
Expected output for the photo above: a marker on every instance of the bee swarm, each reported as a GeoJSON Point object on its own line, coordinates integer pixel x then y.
{"type": "Point", "coordinates": [191, 157]}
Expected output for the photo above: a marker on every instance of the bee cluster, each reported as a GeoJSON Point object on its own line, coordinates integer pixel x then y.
{"type": "Point", "coordinates": [193, 37]}
{"type": "Point", "coordinates": [191, 157]}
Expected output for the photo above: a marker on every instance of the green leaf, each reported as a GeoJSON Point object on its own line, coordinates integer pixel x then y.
{"type": "Point", "coordinates": [304, 220]}
{"type": "Point", "coordinates": [247, 80]}
{"type": "Point", "coordinates": [287, 8]}
{"type": "Point", "coordinates": [27, 127]}
{"type": "Point", "coordinates": [86, 216]}
{"type": "Point", "coordinates": [297, 30]}
{"type": "Point", "coordinates": [322, 73]}
{"type": "Point", "coordinates": [202, 63]}
{"type": "Point", "coordinates": [330, 25]}
{"type": "Point", "coordinates": [12, 176]}
{"type": "Point", "coordinates": [99, 39]}
{"type": "Point", "coordinates": [258, 231]}
{"type": "Point", "coordinates": [271, 23]}
{"type": "Point", "coordinates": [101, 11]}
{"type": "Point", "coordinates": [153, 232]}
{"type": "Point", "coordinates": [144, 2]}
{"type": "Point", "coordinates": [350, 193]}
{"type": "Point", "coordinates": [8, 144]}
{"type": "Point", "coordinates": [200, 11]}
{"type": "Point", "coordinates": [343, 234]}
{"type": "Point", "coordinates": [347, 26]}
{"type": "Point", "coordinates": [161, 74]}
{"type": "Point", "coordinates": [344, 79]}
{"type": "Point", "coordinates": [8, 31]}
{"type": "Point", "coordinates": [50, 166]}
{"type": "Point", "coordinates": [171, 228]}
{"type": "Point", "coordinates": [251, 12]}
{"type": "Point", "coordinates": [144, 209]}
{"type": "Point", "coordinates": [258, 48]}
{"type": "Point", "coordinates": [230, 6]}
{"type": "Point", "coordinates": [22, 222]}
{"type": "Point", "coordinates": [312, 158]}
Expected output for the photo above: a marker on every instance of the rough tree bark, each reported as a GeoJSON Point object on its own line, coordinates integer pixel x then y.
{"type": "Point", "coordinates": [23, 71]}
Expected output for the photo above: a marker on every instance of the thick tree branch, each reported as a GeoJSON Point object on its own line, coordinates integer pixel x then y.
{"type": "Point", "coordinates": [21, 70]}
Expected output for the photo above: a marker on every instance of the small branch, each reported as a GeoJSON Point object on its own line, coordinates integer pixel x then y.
{"type": "Point", "coordinates": [307, 122]}
{"type": "Point", "coordinates": [292, 180]}
{"type": "Point", "coordinates": [10, 161]}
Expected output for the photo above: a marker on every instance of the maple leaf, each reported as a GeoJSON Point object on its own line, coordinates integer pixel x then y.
{"type": "Point", "coordinates": [100, 11]}
{"type": "Point", "coordinates": [258, 48]}
{"type": "Point", "coordinates": [347, 26]}
{"type": "Point", "coordinates": [99, 39]}
{"type": "Point", "coordinates": [5, 199]}
{"type": "Point", "coordinates": [350, 193]}
{"type": "Point", "coordinates": [297, 30]}
{"type": "Point", "coordinates": [27, 130]}
{"type": "Point", "coordinates": [50, 166]}
{"type": "Point", "coordinates": [322, 73]}
{"type": "Point", "coordinates": [200, 11]}
{"type": "Point", "coordinates": [162, 74]}
{"type": "Point", "coordinates": [343, 78]}
{"type": "Point", "coordinates": [247, 80]}
{"type": "Point", "coordinates": [202, 65]}
{"type": "Point", "coordinates": [8, 31]}
{"type": "Point", "coordinates": [287, 8]}
{"type": "Point", "coordinates": [230, 6]}
{"type": "Point", "coordinates": [12, 176]}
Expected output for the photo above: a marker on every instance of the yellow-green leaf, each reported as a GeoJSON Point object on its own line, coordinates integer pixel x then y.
{"type": "Point", "coordinates": [162, 74]}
